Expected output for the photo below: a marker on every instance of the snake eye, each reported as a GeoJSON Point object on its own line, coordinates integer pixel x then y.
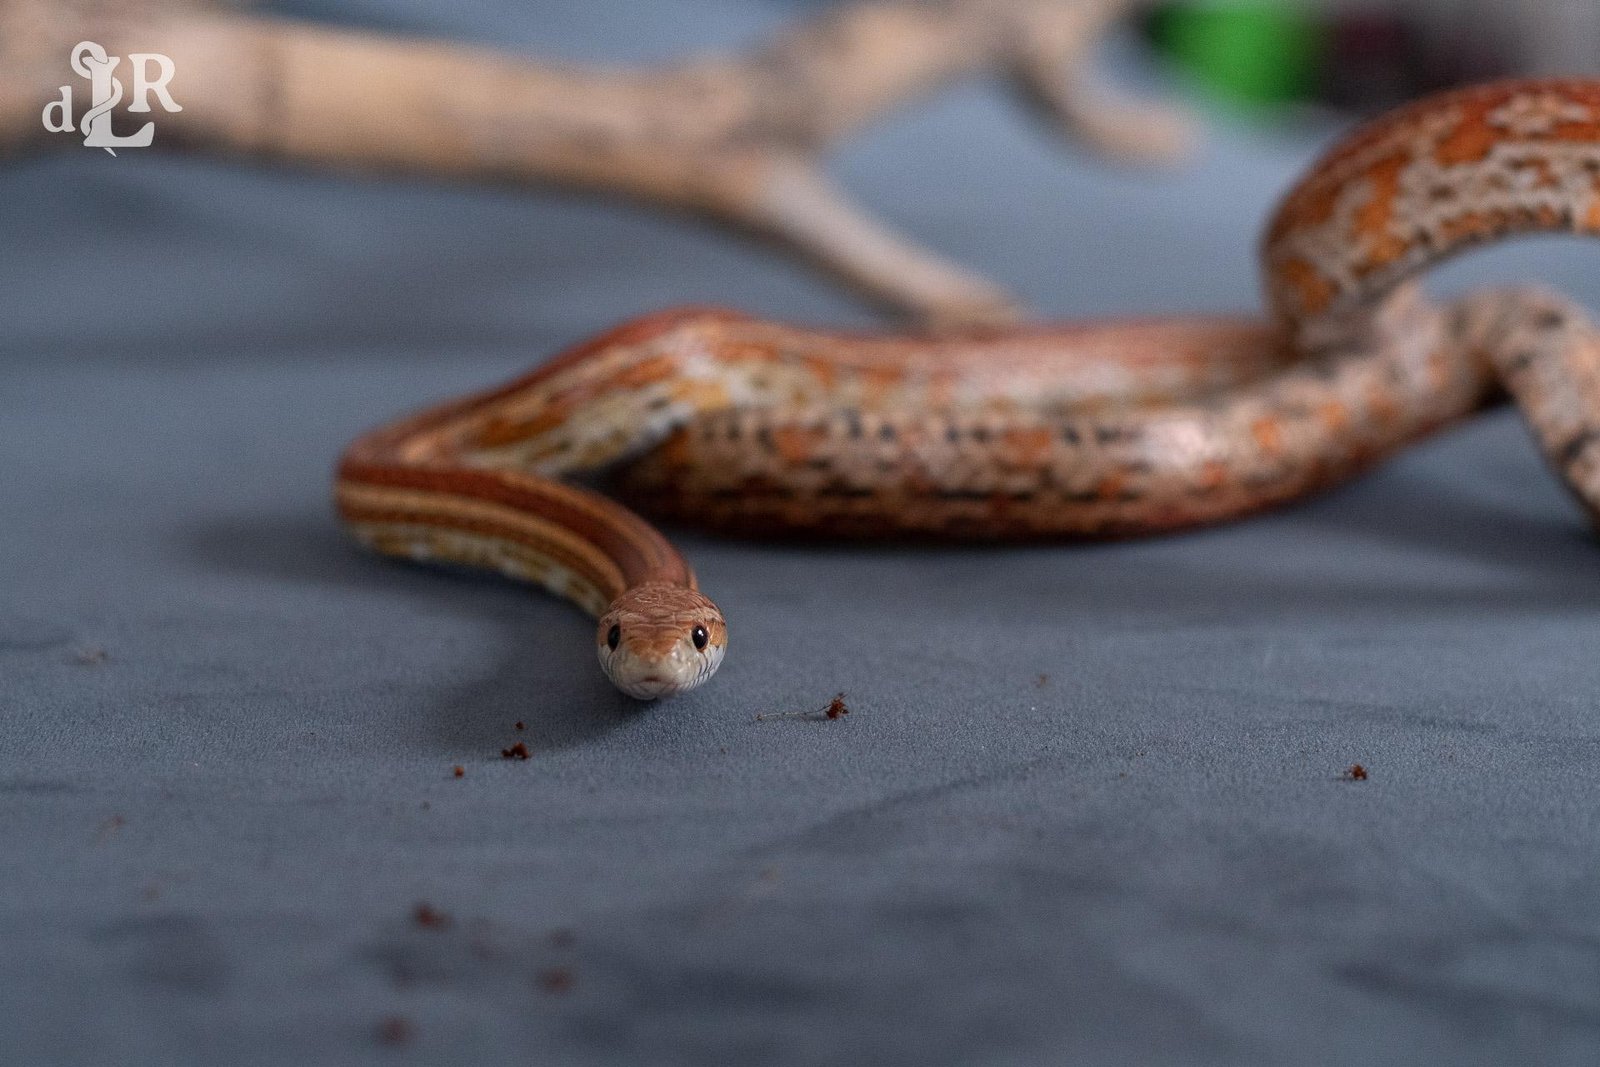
{"type": "Point", "coordinates": [699, 636]}
{"type": "Point", "coordinates": [614, 637]}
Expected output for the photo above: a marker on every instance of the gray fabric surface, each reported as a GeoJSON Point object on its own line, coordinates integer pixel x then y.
{"type": "Point", "coordinates": [212, 840]}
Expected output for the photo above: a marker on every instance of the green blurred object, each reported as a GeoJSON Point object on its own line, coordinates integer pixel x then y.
{"type": "Point", "coordinates": [1247, 53]}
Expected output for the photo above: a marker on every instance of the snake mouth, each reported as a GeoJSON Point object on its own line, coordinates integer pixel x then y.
{"type": "Point", "coordinates": [651, 687]}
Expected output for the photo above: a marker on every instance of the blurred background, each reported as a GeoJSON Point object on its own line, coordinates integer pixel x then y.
{"type": "Point", "coordinates": [261, 256]}
{"type": "Point", "coordinates": [192, 257]}
{"type": "Point", "coordinates": [1368, 54]}
{"type": "Point", "coordinates": [1362, 53]}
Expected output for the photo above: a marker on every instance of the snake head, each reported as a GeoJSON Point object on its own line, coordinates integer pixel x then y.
{"type": "Point", "coordinates": [659, 640]}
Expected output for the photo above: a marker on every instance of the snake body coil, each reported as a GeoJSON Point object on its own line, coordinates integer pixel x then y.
{"type": "Point", "coordinates": [1092, 430]}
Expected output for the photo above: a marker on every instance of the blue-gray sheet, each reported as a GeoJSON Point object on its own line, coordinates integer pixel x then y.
{"type": "Point", "coordinates": [1087, 807]}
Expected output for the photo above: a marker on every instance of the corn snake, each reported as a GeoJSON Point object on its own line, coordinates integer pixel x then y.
{"type": "Point", "coordinates": [1087, 430]}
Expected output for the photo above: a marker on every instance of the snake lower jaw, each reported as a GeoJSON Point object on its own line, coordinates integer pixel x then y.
{"type": "Point", "coordinates": [646, 681]}
{"type": "Point", "coordinates": [647, 689]}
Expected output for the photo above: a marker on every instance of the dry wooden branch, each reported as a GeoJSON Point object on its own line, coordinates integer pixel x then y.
{"type": "Point", "coordinates": [738, 138]}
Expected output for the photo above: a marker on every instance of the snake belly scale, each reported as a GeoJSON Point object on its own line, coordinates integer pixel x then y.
{"type": "Point", "coordinates": [1086, 430]}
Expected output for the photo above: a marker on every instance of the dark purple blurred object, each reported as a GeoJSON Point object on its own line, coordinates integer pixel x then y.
{"type": "Point", "coordinates": [1376, 60]}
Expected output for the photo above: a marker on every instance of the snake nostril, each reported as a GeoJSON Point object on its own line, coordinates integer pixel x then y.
{"type": "Point", "coordinates": [699, 636]}
{"type": "Point", "coordinates": [614, 637]}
